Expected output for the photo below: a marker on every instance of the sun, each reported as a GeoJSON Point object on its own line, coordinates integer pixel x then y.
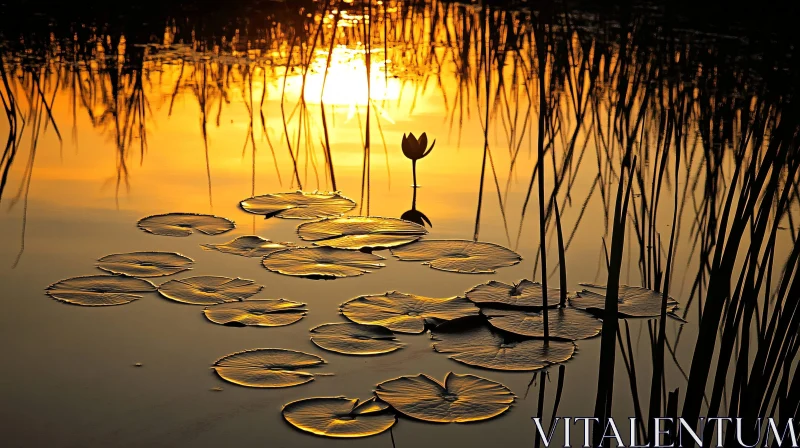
{"type": "Point", "coordinates": [346, 80]}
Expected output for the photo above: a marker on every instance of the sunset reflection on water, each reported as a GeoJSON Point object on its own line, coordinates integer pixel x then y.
{"type": "Point", "coordinates": [179, 122]}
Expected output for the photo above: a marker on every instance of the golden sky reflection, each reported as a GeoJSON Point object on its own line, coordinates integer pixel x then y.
{"type": "Point", "coordinates": [83, 170]}
{"type": "Point", "coordinates": [175, 172]}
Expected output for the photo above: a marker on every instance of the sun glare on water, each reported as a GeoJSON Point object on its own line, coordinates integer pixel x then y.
{"type": "Point", "coordinates": [346, 81]}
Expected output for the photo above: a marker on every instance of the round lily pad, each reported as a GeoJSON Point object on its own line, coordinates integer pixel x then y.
{"type": "Point", "coordinates": [145, 264]}
{"type": "Point", "coordinates": [184, 224]}
{"type": "Point", "coordinates": [267, 367]}
{"type": "Point", "coordinates": [361, 232]}
{"type": "Point", "coordinates": [208, 290]}
{"type": "Point", "coordinates": [564, 323]}
{"type": "Point", "coordinates": [405, 313]}
{"type": "Point", "coordinates": [355, 339]}
{"type": "Point", "coordinates": [339, 416]}
{"type": "Point", "coordinates": [257, 313]}
{"type": "Point", "coordinates": [321, 262]}
{"type": "Point", "coordinates": [472, 341]}
{"type": "Point", "coordinates": [633, 301]}
{"type": "Point", "coordinates": [525, 294]}
{"type": "Point", "coordinates": [469, 257]}
{"type": "Point", "coordinates": [99, 290]}
{"type": "Point", "coordinates": [460, 399]}
{"type": "Point", "coordinates": [298, 205]}
{"type": "Point", "coordinates": [249, 246]}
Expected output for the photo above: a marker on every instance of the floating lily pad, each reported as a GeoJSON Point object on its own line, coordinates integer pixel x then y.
{"type": "Point", "coordinates": [258, 313]}
{"type": "Point", "coordinates": [321, 262]}
{"type": "Point", "coordinates": [355, 339]}
{"type": "Point", "coordinates": [361, 232]}
{"type": "Point", "coordinates": [339, 416]}
{"type": "Point", "coordinates": [633, 301]}
{"type": "Point", "coordinates": [525, 294]}
{"type": "Point", "coordinates": [298, 205]}
{"type": "Point", "coordinates": [470, 257]}
{"type": "Point", "coordinates": [472, 341]}
{"type": "Point", "coordinates": [99, 290]}
{"type": "Point", "coordinates": [564, 323]}
{"type": "Point", "coordinates": [145, 264]}
{"type": "Point", "coordinates": [405, 313]}
{"type": "Point", "coordinates": [184, 224]}
{"type": "Point", "coordinates": [249, 246]}
{"type": "Point", "coordinates": [460, 399]}
{"type": "Point", "coordinates": [267, 367]}
{"type": "Point", "coordinates": [208, 290]}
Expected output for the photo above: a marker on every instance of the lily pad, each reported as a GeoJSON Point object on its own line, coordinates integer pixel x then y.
{"type": "Point", "coordinates": [208, 290]}
{"type": "Point", "coordinates": [361, 232]}
{"type": "Point", "coordinates": [257, 313]}
{"type": "Point", "coordinates": [460, 399]}
{"type": "Point", "coordinates": [339, 416]}
{"type": "Point", "coordinates": [634, 301]}
{"type": "Point", "coordinates": [145, 264]}
{"type": "Point", "coordinates": [298, 205]}
{"type": "Point", "coordinates": [525, 294]}
{"type": "Point", "coordinates": [321, 262]}
{"type": "Point", "coordinates": [249, 246]}
{"type": "Point", "coordinates": [355, 339]}
{"type": "Point", "coordinates": [184, 224]}
{"type": "Point", "coordinates": [99, 290]}
{"type": "Point", "coordinates": [472, 341]}
{"type": "Point", "coordinates": [564, 323]}
{"type": "Point", "coordinates": [267, 367]}
{"type": "Point", "coordinates": [405, 313]}
{"type": "Point", "coordinates": [470, 257]}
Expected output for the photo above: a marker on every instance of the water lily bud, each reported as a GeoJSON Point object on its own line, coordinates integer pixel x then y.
{"type": "Point", "coordinates": [416, 149]}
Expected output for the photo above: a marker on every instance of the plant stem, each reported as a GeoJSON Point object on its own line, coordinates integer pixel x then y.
{"type": "Point", "coordinates": [561, 258]}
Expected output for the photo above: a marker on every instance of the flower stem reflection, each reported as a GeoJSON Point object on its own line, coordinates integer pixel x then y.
{"type": "Point", "coordinates": [415, 215]}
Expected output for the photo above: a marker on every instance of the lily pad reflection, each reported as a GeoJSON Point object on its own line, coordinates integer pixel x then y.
{"type": "Point", "coordinates": [99, 290]}
{"type": "Point", "coordinates": [355, 339]}
{"type": "Point", "coordinates": [469, 257]}
{"type": "Point", "coordinates": [321, 262]}
{"type": "Point", "coordinates": [459, 399]}
{"type": "Point", "coordinates": [208, 290]}
{"type": "Point", "coordinates": [472, 341]}
{"type": "Point", "coordinates": [361, 232]}
{"type": "Point", "coordinates": [184, 224]}
{"type": "Point", "coordinates": [564, 323]}
{"type": "Point", "coordinates": [258, 313]}
{"type": "Point", "coordinates": [339, 416]}
{"type": "Point", "coordinates": [405, 313]}
{"type": "Point", "coordinates": [525, 294]}
{"type": "Point", "coordinates": [267, 367]}
{"type": "Point", "coordinates": [633, 301]}
{"type": "Point", "coordinates": [298, 205]}
{"type": "Point", "coordinates": [145, 264]}
{"type": "Point", "coordinates": [249, 246]}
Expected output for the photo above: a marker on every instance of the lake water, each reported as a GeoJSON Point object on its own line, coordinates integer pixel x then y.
{"type": "Point", "coordinates": [116, 130]}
